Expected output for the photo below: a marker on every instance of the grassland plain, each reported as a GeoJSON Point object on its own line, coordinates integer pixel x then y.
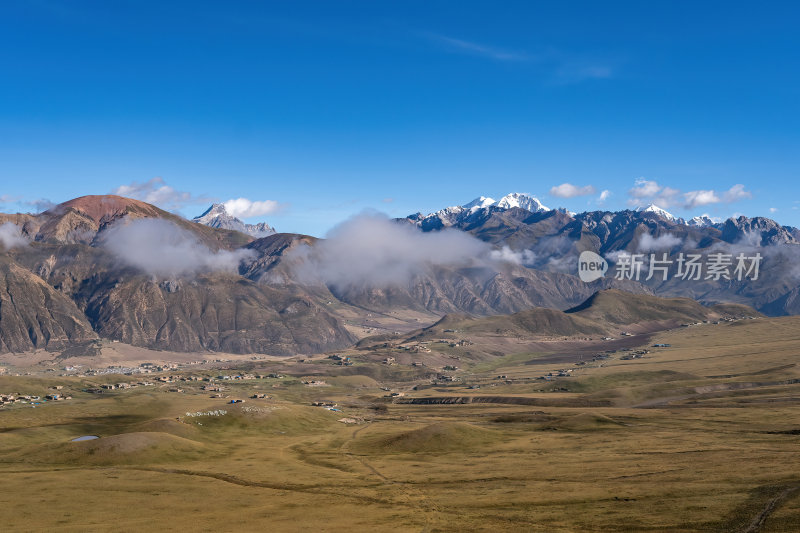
{"type": "Point", "coordinates": [700, 436]}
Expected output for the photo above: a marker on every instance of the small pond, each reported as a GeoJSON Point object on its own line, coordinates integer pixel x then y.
{"type": "Point", "coordinates": [85, 437]}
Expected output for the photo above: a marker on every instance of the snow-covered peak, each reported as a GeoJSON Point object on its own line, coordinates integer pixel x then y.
{"type": "Point", "coordinates": [702, 221]}
{"type": "Point", "coordinates": [217, 216]}
{"type": "Point", "coordinates": [211, 213]}
{"type": "Point", "coordinates": [523, 201]}
{"type": "Point", "coordinates": [480, 202]}
{"type": "Point", "coordinates": [449, 215]}
{"type": "Point", "coordinates": [652, 208]}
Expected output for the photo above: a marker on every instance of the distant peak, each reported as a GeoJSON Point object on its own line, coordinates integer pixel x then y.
{"type": "Point", "coordinates": [480, 202]}
{"type": "Point", "coordinates": [215, 209]}
{"type": "Point", "coordinates": [523, 201]}
{"type": "Point", "coordinates": [703, 221]}
{"type": "Point", "coordinates": [217, 216]}
{"type": "Point", "coordinates": [653, 208]}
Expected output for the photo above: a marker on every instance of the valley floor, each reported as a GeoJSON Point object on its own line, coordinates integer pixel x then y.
{"type": "Point", "coordinates": [701, 435]}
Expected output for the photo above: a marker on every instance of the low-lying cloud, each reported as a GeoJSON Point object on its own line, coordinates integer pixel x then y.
{"type": "Point", "coordinates": [520, 257]}
{"type": "Point", "coordinates": [11, 236]}
{"type": "Point", "coordinates": [370, 250]}
{"type": "Point", "coordinates": [648, 243]}
{"type": "Point", "coordinates": [163, 249]}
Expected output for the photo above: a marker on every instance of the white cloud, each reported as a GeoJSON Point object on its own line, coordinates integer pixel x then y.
{"type": "Point", "coordinates": [699, 198]}
{"type": "Point", "coordinates": [244, 208]}
{"type": "Point", "coordinates": [506, 254]}
{"type": "Point", "coordinates": [736, 193]}
{"type": "Point", "coordinates": [773, 209]}
{"type": "Point", "coordinates": [604, 195]}
{"type": "Point", "coordinates": [161, 248]}
{"type": "Point", "coordinates": [157, 192]}
{"type": "Point", "coordinates": [644, 188]}
{"type": "Point", "coordinates": [648, 243]}
{"type": "Point", "coordinates": [649, 191]}
{"type": "Point", "coordinates": [11, 236]}
{"type": "Point", "coordinates": [568, 190]}
{"type": "Point", "coordinates": [370, 250]}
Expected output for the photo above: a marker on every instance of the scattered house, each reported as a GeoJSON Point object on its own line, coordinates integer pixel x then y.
{"type": "Point", "coordinates": [661, 345]}
{"type": "Point", "coordinates": [260, 396]}
{"type": "Point", "coordinates": [389, 361]}
{"type": "Point", "coordinates": [462, 342]}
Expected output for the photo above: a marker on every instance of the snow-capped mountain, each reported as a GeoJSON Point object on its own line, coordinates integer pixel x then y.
{"type": "Point", "coordinates": [480, 202]}
{"type": "Point", "coordinates": [217, 216]}
{"type": "Point", "coordinates": [702, 221]}
{"type": "Point", "coordinates": [523, 201]}
{"type": "Point", "coordinates": [654, 209]}
{"type": "Point", "coordinates": [455, 215]}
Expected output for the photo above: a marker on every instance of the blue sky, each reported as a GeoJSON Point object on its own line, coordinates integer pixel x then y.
{"type": "Point", "coordinates": [319, 110]}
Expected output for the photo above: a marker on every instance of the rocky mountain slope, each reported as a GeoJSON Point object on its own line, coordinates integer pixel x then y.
{"type": "Point", "coordinates": [116, 268]}
{"type": "Point", "coordinates": [35, 315]}
{"type": "Point", "coordinates": [553, 239]}
{"type": "Point", "coordinates": [66, 285]}
{"type": "Point", "coordinates": [604, 313]}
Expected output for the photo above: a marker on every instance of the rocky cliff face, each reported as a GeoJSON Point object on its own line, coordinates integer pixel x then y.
{"type": "Point", "coordinates": [34, 315]}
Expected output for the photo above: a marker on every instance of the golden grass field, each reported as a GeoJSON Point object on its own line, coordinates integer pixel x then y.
{"type": "Point", "coordinates": [701, 436]}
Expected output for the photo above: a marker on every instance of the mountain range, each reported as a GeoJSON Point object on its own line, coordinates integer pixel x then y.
{"type": "Point", "coordinates": [553, 239]}
{"type": "Point", "coordinates": [116, 268]}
